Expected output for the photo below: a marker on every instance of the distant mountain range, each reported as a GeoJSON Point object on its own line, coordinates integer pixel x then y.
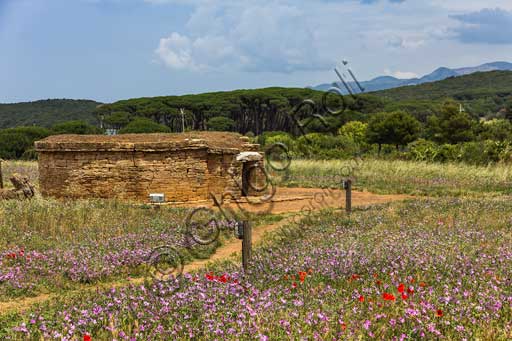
{"type": "Point", "coordinates": [389, 82]}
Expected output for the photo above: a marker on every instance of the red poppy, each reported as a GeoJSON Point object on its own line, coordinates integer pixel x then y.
{"type": "Point", "coordinates": [343, 326]}
{"type": "Point", "coordinates": [302, 276]}
{"type": "Point", "coordinates": [401, 288]}
{"type": "Point", "coordinates": [294, 285]}
{"type": "Point", "coordinates": [378, 282]}
{"type": "Point", "coordinates": [361, 298]}
{"type": "Point", "coordinates": [209, 276]}
{"type": "Point", "coordinates": [439, 313]}
{"type": "Point", "coordinates": [87, 337]}
{"type": "Point", "coordinates": [223, 278]}
{"type": "Point", "coordinates": [412, 280]}
{"type": "Point", "coordinates": [354, 276]}
{"type": "Point", "coordinates": [423, 284]}
{"type": "Point", "coordinates": [388, 296]}
{"type": "Point", "coordinates": [410, 291]}
{"type": "Point", "coordinates": [404, 296]}
{"type": "Point", "coordinates": [375, 275]}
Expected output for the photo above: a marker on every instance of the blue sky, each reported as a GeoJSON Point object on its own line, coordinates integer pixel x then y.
{"type": "Point", "coordinates": [116, 49]}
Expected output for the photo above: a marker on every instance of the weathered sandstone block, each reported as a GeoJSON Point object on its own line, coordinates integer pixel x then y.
{"type": "Point", "coordinates": [182, 166]}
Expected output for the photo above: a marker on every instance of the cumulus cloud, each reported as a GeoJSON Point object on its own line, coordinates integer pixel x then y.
{"type": "Point", "coordinates": [491, 26]}
{"type": "Point", "coordinates": [285, 36]}
{"type": "Point", "coordinates": [258, 37]}
{"type": "Point", "coordinates": [406, 42]}
{"type": "Point", "coordinates": [400, 74]}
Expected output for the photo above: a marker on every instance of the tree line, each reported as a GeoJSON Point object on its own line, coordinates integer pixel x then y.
{"type": "Point", "coordinates": [399, 118]}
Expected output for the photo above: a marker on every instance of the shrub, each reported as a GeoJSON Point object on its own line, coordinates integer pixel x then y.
{"type": "Point", "coordinates": [142, 125]}
{"type": "Point", "coordinates": [496, 129]}
{"type": "Point", "coordinates": [356, 131]}
{"type": "Point", "coordinates": [323, 146]}
{"type": "Point", "coordinates": [220, 123]}
{"type": "Point", "coordinates": [14, 142]}
{"type": "Point", "coordinates": [75, 127]}
{"type": "Point", "coordinates": [13, 145]}
{"type": "Point", "coordinates": [422, 150]}
{"type": "Point", "coordinates": [284, 138]}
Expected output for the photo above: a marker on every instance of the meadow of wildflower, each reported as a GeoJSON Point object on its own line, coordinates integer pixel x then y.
{"type": "Point", "coordinates": [50, 246]}
{"type": "Point", "coordinates": [429, 268]}
{"type": "Point", "coordinates": [432, 267]}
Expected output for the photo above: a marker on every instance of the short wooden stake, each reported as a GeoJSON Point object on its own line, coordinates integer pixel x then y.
{"type": "Point", "coordinates": [1, 176]}
{"type": "Point", "coordinates": [347, 184]}
{"type": "Point", "coordinates": [246, 244]}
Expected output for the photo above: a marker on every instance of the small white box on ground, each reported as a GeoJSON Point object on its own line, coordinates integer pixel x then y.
{"type": "Point", "coordinates": [157, 197]}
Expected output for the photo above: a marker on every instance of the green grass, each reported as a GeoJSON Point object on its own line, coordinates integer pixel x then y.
{"type": "Point", "coordinates": [402, 177]}
{"type": "Point", "coordinates": [28, 168]}
{"type": "Point", "coordinates": [61, 245]}
{"type": "Point", "coordinates": [444, 261]}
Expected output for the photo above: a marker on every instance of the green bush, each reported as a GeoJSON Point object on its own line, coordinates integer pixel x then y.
{"type": "Point", "coordinates": [13, 145]}
{"type": "Point", "coordinates": [75, 127]}
{"type": "Point", "coordinates": [220, 123]}
{"type": "Point", "coordinates": [449, 152]}
{"type": "Point", "coordinates": [284, 138]}
{"type": "Point", "coordinates": [496, 129]}
{"type": "Point", "coordinates": [33, 133]}
{"type": "Point", "coordinates": [14, 142]}
{"type": "Point", "coordinates": [142, 125]}
{"type": "Point", "coordinates": [475, 152]}
{"type": "Point", "coordinates": [423, 150]}
{"type": "Point", "coordinates": [323, 146]}
{"type": "Point", "coordinates": [356, 131]}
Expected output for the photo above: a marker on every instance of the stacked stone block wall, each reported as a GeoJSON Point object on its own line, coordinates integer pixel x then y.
{"type": "Point", "coordinates": [182, 175]}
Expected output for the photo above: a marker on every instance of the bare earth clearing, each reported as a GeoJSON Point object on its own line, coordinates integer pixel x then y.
{"type": "Point", "coordinates": [286, 201]}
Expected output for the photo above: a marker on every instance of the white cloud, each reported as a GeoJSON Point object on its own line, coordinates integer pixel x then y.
{"type": "Point", "coordinates": [252, 37]}
{"type": "Point", "coordinates": [285, 36]}
{"type": "Point", "coordinates": [175, 51]}
{"type": "Point", "coordinates": [471, 5]}
{"type": "Point", "coordinates": [407, 42]}
{"type": "Point", "coordinates": [400, 74]}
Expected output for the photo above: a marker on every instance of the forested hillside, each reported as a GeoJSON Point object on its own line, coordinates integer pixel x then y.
{"type": "Point", "coordinates": [425, 121]}
{"type": "Point", "coordinates": [46, 113]}
{"type": "Point", "coordinates": [255, 111]}
{"type": "Point", "coordinates": [270, 109]}
{"type": "Point", "coordinates": [481, 93]}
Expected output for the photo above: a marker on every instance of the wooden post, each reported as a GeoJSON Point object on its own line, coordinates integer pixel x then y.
{"type": "Point", "coordinates": [246, 244]}
{"type": "Point", "coordinates": [348, 195]}
{"type": "Point", "coordinates": [1, 176]}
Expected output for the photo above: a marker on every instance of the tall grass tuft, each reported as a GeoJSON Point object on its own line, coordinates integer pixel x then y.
{"type": "Point", "coordinates": [408, 177]}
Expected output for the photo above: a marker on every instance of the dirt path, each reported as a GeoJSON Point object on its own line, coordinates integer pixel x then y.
{"type": "Point", "coordinates": [301, 199]}
{"type": "Point", "coordinates": [297, 199]}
